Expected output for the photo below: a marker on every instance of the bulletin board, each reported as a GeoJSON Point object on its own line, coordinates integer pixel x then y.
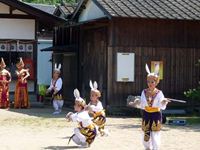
{"type": "Point", "coordinates": [125, 67]}
{"type": "Point", "coordinates": [160, 64]}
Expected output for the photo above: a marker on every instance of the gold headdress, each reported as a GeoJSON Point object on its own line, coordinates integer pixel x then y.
{"type": "Point", "coordinates": [20, 63]}
{"type": "Point", "coordinates": [2, 64]}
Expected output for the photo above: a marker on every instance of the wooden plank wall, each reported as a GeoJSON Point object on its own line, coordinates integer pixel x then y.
{"type": "Point", "coordinates": [176, 43]}
{"type": "Point", "coordinates": [180, 72]}
{"type": "Point", "coordinates": [93, 59]}
{"type": "Point", "coordinates": [155, 33]}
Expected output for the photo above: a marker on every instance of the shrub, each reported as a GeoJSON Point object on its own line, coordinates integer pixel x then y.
{"type": "Point", "coordinates": [194, 94]}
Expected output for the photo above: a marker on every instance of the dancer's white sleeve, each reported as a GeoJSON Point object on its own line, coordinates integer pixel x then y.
{"type": "Point", "coordinates": [74, 117]}
{"type": "Point", "coordinates": [97, 108]}
{"type": "Point", "coordinates": [143, 102]}
{"type": "Point", "coordinates": [58, 84]}
{"type": "Point", "coordinates": [160, 98]}
{"type": "Point", "coordinates": [51, 86]}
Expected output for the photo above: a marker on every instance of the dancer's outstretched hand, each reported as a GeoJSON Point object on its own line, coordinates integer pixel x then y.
{"type": "Point", "coordinates": [68, 116]}
{"type": "Point", "coordinates": [165, 101]}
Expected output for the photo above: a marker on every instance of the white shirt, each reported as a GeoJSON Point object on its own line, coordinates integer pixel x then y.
{"type": "Point", "coordinates": [58, 84]}
{"type": "Point", "coordinates": [156, 103]}
{"type": "Point", "coordinates": [82, 117]}
{"type": "Point", "coordinates": [96, 108]}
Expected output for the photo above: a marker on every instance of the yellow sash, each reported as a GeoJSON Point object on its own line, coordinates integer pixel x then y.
{"type": "Point", "coordinates": [151, 109]}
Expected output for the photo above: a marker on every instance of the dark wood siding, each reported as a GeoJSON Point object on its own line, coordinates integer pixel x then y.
{"type": "Point", "coordinates": [155, 33]}
{"type": "Point", "coordinates": [176, 43]}
{"type": "Point", "coordinates": [93, 59]}
{"type": "Point", "coordinates": [180, 72]}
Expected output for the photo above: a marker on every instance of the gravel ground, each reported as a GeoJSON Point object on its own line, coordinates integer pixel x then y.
{"type": "Point", "coordinates": [35, 129]}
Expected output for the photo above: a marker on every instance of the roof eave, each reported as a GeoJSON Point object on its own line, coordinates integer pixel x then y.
{"type": "Point", "coordinates": [39, 14]}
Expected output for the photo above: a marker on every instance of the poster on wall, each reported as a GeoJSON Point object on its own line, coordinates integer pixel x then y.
{"type": "Point", "coordinates": [160, 64]}
{"type": "Point", "coordinates": [125, 67]}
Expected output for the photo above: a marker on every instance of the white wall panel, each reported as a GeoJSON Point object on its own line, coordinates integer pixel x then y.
{"type": "Point", "coordinates": [17, 29]}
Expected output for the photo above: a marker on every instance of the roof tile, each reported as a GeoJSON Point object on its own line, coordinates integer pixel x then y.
{"type": "Point", "coordinates": [162, 9]}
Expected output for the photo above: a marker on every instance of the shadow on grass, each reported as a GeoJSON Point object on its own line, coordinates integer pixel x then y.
{"type": "Point", "coordinates": [61, 147]}
{"type": "Point", "coordinates": [41, 112]}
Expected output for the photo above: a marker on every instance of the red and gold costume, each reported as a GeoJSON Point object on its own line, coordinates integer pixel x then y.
{"type": "Point", "coordinates": [5, 79]}
{"type": "Point", "coordinates": [21, 90]}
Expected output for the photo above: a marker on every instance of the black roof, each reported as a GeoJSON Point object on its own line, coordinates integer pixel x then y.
{"type": "Point", "coordinates": [66, 9]}
{"type": "Point", "coordinates": [37, 13]}
{"type": "Point", "coordinates": [155, 9]}
{"type": "Point", "coordinates": [44, 7]}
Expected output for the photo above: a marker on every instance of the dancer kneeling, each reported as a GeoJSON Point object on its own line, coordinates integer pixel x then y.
{"type": "Point", "coordinates": [85, 134]}
{"type": "Point", "coordinates": [152, 102]}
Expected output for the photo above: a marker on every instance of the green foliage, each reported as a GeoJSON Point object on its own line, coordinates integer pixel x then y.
{"type": "Point", "coordinates": [52, 2]}
{"type": "Point", "coordinates": [42, 90]}
{"type": "Point", "coordinates": [194, 94]}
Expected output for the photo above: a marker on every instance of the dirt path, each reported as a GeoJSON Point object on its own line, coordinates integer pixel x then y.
{"type": "Point", "coordinates": [36, 129]}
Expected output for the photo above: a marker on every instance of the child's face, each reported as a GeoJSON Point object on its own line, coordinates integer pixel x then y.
{"type": "Point", "coordinates": [77, 107]}
{"type": "Point", "coordinates": [151, 83]}
{"type": "Point", "coordinates": [93, 97]}
{"type": "Point", "coordinates": [56, 75]}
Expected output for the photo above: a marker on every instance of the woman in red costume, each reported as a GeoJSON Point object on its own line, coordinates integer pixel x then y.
{"type": "Point", "coordinates": [5, 79]}
{"type": "Point", "coordinates": [21, 91]}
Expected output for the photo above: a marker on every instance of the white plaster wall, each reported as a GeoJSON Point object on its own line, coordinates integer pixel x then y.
{"type": "Point", "coordinates": [17, 29]}
{"type": "Point", "coordinates": [4, 9]}
{"type": "Point", "coordinates": [18, 12]}
{"type": "Point", "coordinates": [44, 67]}
{"type": "Point", "coordinates": [91, 12]}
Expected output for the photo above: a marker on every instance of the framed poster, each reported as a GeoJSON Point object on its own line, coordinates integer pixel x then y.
{"type": "Point", "coordinates": [125, 67]}
{"type": "Point", "coordinates": [160, 64]}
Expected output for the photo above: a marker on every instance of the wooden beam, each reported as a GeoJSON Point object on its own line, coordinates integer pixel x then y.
{"type": "Point", "coordinates": [94, 26]}
{"type": "Point", "coordinates": [10, 10]}
{"type": "Point", "coordinates": [16, 16]}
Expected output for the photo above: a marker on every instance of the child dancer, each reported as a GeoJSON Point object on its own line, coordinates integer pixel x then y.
{"type": "Point", "coordinates": [56, 90]}
{"type": "Point", "coordinates": [152, 102]}
{"type": "Point", "coordinates": [96, 108]}
{"type": "Point", "coordinates": [85, 134]}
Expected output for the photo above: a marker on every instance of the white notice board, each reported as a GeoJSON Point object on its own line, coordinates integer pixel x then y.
{"type": "Point", "coordinates": [125, 67]}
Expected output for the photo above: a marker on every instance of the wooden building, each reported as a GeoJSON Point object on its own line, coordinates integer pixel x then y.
{"type": "Point", "coordinates": [99, 31]}
{"type": "Point", "coordinates": [21, 25]}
